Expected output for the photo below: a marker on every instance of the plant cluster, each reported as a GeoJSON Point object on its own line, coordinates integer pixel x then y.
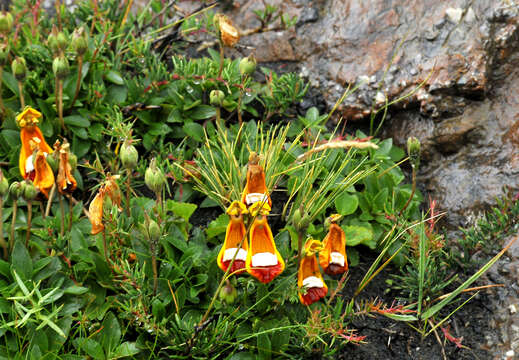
{"type": "Point", "coordinates": [114, 149]}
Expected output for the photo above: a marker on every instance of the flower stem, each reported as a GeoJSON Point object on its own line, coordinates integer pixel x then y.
{"type": "Point", "coordinates": [13, 223]}
{"type": "Point", "coordinates": [49, 201]}
{"type": "Point", "coordinates": [71, 212]}
{"type": "Point", "coordinates": [29, 221]}
{"type": "Point", "coordinates": [105, 247]}
{"type": "Point", "coordinates": [62, 211]}
{"type": "Point", "coordinates": [78, 81]}
{"type": "Point", "coordinates": [299, 247]}
{"type": "Point", "coordinates": [20, 90]}
{"type": "Point", "coordinates": [60, 105]}
{"type": "Point", "coordinates": [2, 107]}
{"type": "Point", "coordinates": [2, 240]}
{"type": "Point", "coordinates": [413, 189]}
{"type": "Point", "coordinates": [220, 70]}
{"type": "Point", "coordinates": [128, 190]}
{"type": "Point", "coordinates": [154, 266]}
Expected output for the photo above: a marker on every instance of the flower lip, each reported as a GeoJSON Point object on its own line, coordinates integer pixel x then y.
{"type": "Point", "coordinates": [259, 208]}
{"type": "Point", "coordinates": [236, 208]}
{"type": "Point", "coordinates": [28, 117]}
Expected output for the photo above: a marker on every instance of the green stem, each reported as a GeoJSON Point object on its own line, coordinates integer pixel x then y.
{"type": "Point", "coordinates": [155, 272]}
{"type": "Point", "coordinates": [29, 221]}
{"type": "Point", "coordinates": [220, 70]}
{"type": "Point", "coordinates": [218, 116]}
{"type": "Point", "coordinates": [2, 240]}
{"type": "Point", "coordinates": [70, 213]}
{"type": "Point", "coordinates": [2, 106]}
{"type": "Point", "coordinates": [20, 90]}
{"type": "Point", "coordinates": [60, 104]}
{"type": "Point", "coordinates": [413, 189]}
{"type": "Point", "coordinates": [128, 190]}
{"type": "Point", "coordinates": [78, 81]}
{"type": "Point", "coordinates": [105, 247]}
{"type": "Point", "coordinates": [13, 223]}
{"type": "Point", "coordinates": [62, 211]}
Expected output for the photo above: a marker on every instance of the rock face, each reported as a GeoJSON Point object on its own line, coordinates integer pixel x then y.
{"type": "Point", "coordinates": [454, 63]}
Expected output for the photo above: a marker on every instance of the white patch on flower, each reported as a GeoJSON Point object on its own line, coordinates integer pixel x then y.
{"type": "Point", "coordinates": [264, 259]}
{"type": "Point", "coordinates": [229, 254]}
{"type": "Point", "coordinates": [29, 166]}
{"type": "Point", "coordinates": [255, 197]}
{"type": "Point", "coordinates": [336, 258]}
{"type": "Point", "coordinates": [313, 281]}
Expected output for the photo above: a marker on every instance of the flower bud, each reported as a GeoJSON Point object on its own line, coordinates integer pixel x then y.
{"type": "Point", "coordinates": [52, 40]}
{"type": "Point", "coordinates": [129, 155]}
{"type": "Point", "coordinates": [4, 185]}
{"type": "Point", "coordinates": [79, 41]}
{"type": "Point", "coordinates": [154, 177]}
{"type": "Point", "coordinates": [29, 191]}
{"type": "Point", "coordinates": [228, 294]}
{"type": "Point", "coordinates": [15, 190]}
{"type": "Point", "coordinates": [6, 22]}
{"type": "Point", "coordinates": [61, 41]}
{"type": "Point", "coordinates": [154, 231]}
{"type": "Point", "coordinates": [301, 220]}
{"type": "Point", "coordinates": [19, 68]}
{"type": "Point", "coordinates": [4, 54]}
{"type": "Point", "coordinates": [413, 151]}
{"type": "Point", "coordinates": [248, 65]}
{"type": "Point", "coordinates": [60, 67]}
{"type": "Point", "coordinates": [216, 97]}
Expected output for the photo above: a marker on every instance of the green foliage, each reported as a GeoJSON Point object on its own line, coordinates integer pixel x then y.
{"type": "Point", "coordinates": [145, 283]}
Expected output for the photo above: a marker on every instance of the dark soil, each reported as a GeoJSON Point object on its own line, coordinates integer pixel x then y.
{"type": "Point", "coordinates": [388, 339]}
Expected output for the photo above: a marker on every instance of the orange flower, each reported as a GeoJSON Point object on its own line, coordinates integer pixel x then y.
{"type": "Point", "coordinates": [263, 259]}
{"type": "Point", "coordinates": [66, 182]}
{"type": "Point", "coordinates": [309, 279]}
{"type": "Point", "coordinates": [28, 121]}
{"type": "Point", "coordinates": [233, 237]}
{"type": "Point", "coordinates": [43, 175]}
{"type": "Point", "coordinates": [95, 211]}
{"type": "Point", "coordinates": [333, 258]}
{"type": "Point", "coordinates": [255, 189]}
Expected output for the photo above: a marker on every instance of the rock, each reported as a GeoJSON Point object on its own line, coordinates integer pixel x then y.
{"type": "Point", "coordinates": [454, 63]}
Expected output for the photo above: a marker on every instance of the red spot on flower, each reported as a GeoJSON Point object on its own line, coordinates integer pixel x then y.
{"type": "Point", "coordinates": [238, 265]}
{"type": "Point", "coordinates": [266, 274]}
{"type": "Point", "coordinates": [313, 294]}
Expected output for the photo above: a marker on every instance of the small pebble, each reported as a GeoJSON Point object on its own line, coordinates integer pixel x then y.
{"type": "Point", "coordinates": [512, 309]}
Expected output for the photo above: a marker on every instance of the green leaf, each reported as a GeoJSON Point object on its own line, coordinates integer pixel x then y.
{"type": "Point", "coordinates": [92, 348]}
{"type": "Point", "coordinates": [380, 200]}
{"type": "Point", "coordinates": [183, 210]}
{"type": "Point", "coordinates": [264, 347]}
{"type": "Point", "coordinates": [346, 204]}
{"type": "Point", "coordinates": [202, 112]}
{"type": "Point", "coordinates": [195, 130]}
{"type": "Point", "coordinates": [21, 261]}
{"type": "Point", "coordinates": [76, 120]}
{"type": "Point", "coordinates": [114, 77]}
{"type": "Point", "coordinates": [10, 82]}
{"type": "Point", "coordinates": [126, 349]}
{"type": "Point", "coordinates": [217, 226]}
{"type": "Point", "coordinates": [111, 334]}
{"type": "Point", "coordinates": [117, 94]}
{"type": "Point", "coordinates": [356, 235]}
{"type": "Point", "coordinates": [76, 290]}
